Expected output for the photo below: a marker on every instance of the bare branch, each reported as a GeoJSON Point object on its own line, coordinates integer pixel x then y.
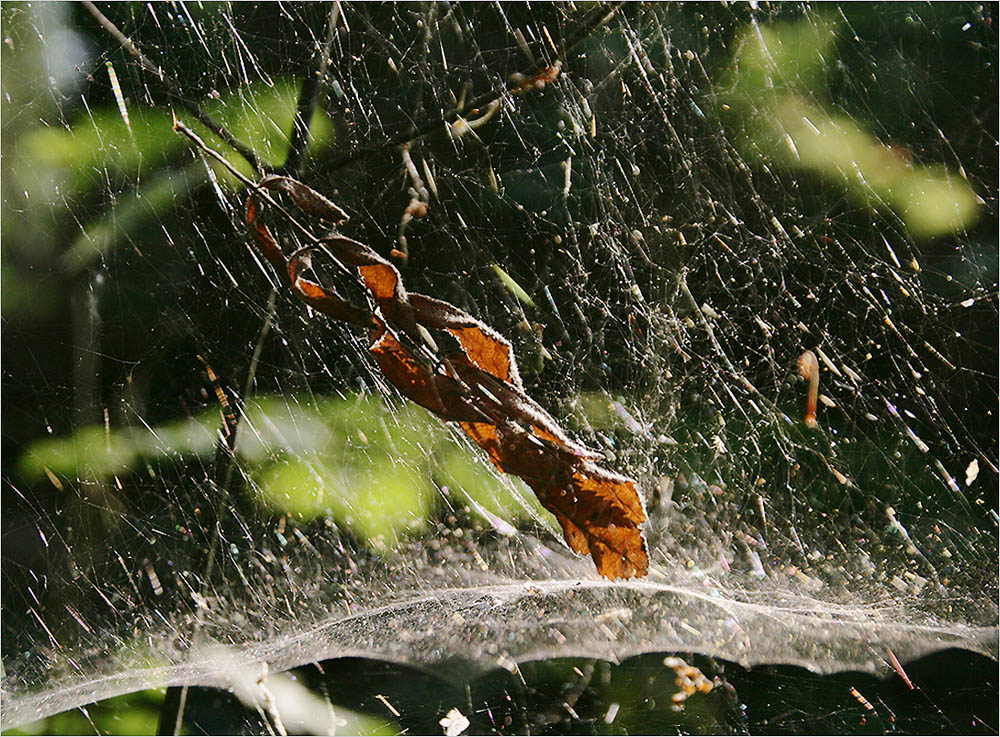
{"type": "Point", "coordinates": [597, 18]}
{"type": "Point", "coordinates": [173, 89]}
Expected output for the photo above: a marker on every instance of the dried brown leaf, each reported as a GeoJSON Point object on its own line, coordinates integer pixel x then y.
{"type": "Point", "coordinates": [478, 386]}
{"type": "Point", "coordinates": [305, 198]}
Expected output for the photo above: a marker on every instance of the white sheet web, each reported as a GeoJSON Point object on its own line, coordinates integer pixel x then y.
{"type": "Point", "coordinates": [685, 201]}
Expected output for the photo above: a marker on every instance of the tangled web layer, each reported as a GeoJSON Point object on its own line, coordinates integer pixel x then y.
{"type": "Point", "coordinates": [661, 207]}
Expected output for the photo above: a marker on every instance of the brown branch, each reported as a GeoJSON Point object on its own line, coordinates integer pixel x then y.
{"type": "Point", "coordinates": [174, 89]}
{"type": "Point", "coordinates": [180, 127]}
{"type": "Point", "coordinates": [598, 18]}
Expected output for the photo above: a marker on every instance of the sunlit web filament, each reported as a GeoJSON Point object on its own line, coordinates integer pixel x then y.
{"type": "Point", "coordinates": [119, 97]}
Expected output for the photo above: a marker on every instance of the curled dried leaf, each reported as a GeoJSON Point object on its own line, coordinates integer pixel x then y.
{"type": "Point", "coordinates": [476, 385]}
{"type": "Point", "coordinates": [483, 346]}
{"type": "Point", "coordinates": [268, 246]}
{"type": "Point", "coordinates": [305, 198]}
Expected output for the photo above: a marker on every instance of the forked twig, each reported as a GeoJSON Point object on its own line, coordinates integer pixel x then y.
{"type": "Point", "coordinates": [174, 702]}
{"type": "Point", "coordinates": [314, 243]}
{"type": "Point", "coordinates": [173, 88]}
{"type": "Point", "coordinates": [597, 18]}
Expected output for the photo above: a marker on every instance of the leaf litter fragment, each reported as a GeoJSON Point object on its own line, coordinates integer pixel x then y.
{"type": "Point", "coordinates": [454, 723]}
{"type": "Point", "coordinates": [475, 384]}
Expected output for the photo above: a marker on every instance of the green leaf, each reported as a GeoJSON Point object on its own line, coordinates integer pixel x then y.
{"type": "Point", "coordinates": [513, 286]}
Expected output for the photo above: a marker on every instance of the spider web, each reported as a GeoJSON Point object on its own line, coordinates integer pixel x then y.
{"type": "Point", "coordinates": [662, 207]}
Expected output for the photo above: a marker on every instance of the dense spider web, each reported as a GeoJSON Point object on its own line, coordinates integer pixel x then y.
{"type": "Point", "coordinates": [686, 200]}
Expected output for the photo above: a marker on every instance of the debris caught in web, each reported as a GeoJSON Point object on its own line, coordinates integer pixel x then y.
{"type": "Point", "coordinates": [476, 385]}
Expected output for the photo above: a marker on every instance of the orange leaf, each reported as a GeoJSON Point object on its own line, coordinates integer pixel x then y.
{"type": "Point", "coordinates": [478, 386]}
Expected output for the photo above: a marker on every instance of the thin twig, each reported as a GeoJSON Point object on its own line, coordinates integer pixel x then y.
{"type": "Point", "coordinates": [598, 18]}
{"type": "Point", "coordinates": [419, 197]}
{"type": "Point", "coordinates": [265, 195]}
{"type": "Point", "coordinates": [315, 243]}
{"type": "Point", "coordinates": [417, 349]}
{"type": "Point", "coordinates": [312, 87]}
{"type": "Point", "coordinates": [228, 444]}
{"type": "Point", "coordinates": [180, 127]}
{"type": "Point", "coordinates": [173, 88]}
{"type": "Point", "coordinates": [172, 710]}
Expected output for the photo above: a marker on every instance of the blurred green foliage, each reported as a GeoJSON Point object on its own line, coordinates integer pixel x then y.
{"type": "Point", "coordinates": [134, 713]}
{"type": "Point", "coordinates": [263, 114]}
{"type": "Point", "coordinates": [139, 714]}
{"type": "Point", "coordinates": [372, 466]}
{"type": "Point", "coordinates": [100, 140]}
{"type": "Point", "coordinates": [773, 94]}
{"type": "Point", "coordinates": [57, 164]}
